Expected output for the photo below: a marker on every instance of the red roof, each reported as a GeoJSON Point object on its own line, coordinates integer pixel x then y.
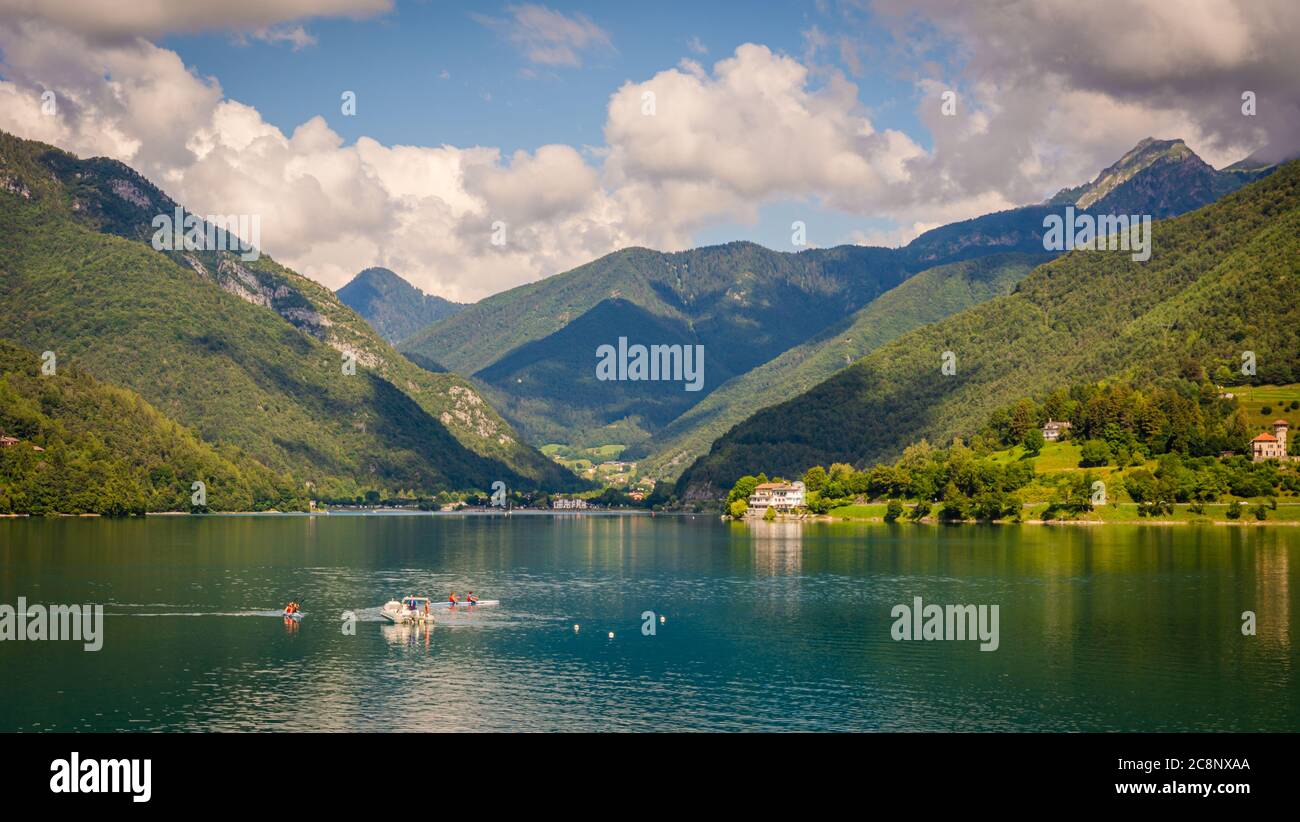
{"type": "Point", "coordinates": [1282, 422]}
{"type": "Point", "coordinates": [1265, 438]}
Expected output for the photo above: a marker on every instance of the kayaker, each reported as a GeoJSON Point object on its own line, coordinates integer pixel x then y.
{"type": "Point", "coordinates": [291, 608]}
{"type": "Point", "coordinates": [471, 599]}
{"type": "Point", "coordinates": [452, 599]}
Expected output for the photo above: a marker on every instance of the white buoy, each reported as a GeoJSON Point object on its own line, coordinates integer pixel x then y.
{"type": "Point", "coordinates": [611, 634]}
{"type": "Point", "coordinates": [662, 620]}
{"type": "Point", "coordinates": [575, 627]}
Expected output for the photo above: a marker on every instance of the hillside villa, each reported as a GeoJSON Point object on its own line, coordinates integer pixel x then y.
{"type": "Point", "coordinates": [782, 496]}
{"type": "Point", "coordinates": [1270, 446]}
{"type": "Point", "coordinates": [1053, 430]}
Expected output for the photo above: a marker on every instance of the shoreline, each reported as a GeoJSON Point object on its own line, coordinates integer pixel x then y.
{"type": "Point", "coordinates": [386, 512]}
{"type": "Point", "coordinates": [827, 518]}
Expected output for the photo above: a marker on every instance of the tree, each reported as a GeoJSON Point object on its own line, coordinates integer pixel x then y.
{"type": "Point", "coordinates": [954, 509]}
{"type": "Point", "coordinates": [743, 489]}
{"type": "Point", "coordinates": [737, 508]}
{"type": "Point", "coordinates": [1024, 416]}
{"type": "Point", "coordinates": [989, 506]}
{"type": "Point", "coordinates": [818, 503]}
{"type": "Point", "coordinates": [1014, 508]}
{"type": "Point", "coordinates": [769, 514]}
{"type": "Point", "coordinates": [893, 510]}
{"type": "Point", "coordinates": [1094, 453]}
{"type": "Point", "coordinates": [1141, 486]}
{"type": "Point", "coordinates": [1033, 442]}
{"type": "Point", "coordinates": [815, 478]}
{"type": "Point", "coordinates": [1074, 494]}
{"type": "Point", "coordinates": [841, 472]}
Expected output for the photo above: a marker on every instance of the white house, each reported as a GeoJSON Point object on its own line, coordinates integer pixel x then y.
{"type": "Point", "coordinates": [1053, 430]}
{"type": "Point", "coordinates": [779, 495]}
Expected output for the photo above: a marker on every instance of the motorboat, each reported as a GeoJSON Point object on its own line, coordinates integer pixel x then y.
{"type": "Point", "coordinates": [409, 609]}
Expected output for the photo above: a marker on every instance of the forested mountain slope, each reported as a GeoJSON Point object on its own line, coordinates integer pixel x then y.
{"type": "Point", "coordinates": [1222, 280]}
{"type": "Point", "coordinates": [246, 352]}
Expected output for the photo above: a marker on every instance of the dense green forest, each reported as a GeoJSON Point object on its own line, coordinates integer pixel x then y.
{"type": "Point", "coordinates": [1221, 281]}
{"type": "Point", "coordinates": [84, 447]}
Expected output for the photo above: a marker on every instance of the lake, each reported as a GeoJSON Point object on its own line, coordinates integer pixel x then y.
{"type": "Point", "coordinates": [756, 626]}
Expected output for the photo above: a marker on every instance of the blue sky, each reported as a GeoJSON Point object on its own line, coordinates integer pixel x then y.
{"type": "Point", "coordinates": [432, 74]}
{"type": "Point", "coordinates": [395, 63]}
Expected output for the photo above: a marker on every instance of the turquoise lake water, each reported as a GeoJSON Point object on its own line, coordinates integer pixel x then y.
{"type": "Point", "coordinates": [765, 626]}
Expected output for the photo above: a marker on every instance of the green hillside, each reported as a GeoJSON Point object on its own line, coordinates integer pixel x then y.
{"type": "Point", "coordinates": [86, 447]}
{"type": "Point", "coordinates": [926, 297]}
{"type": "Point", "coordinates": [1221, 280]}
{"type": "Point", "coordinates": [1264, 403]}
{"type": "Point", "coordinates": [246, 353]}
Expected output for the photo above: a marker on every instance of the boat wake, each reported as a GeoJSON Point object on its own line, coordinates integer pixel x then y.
{"type": "Point", "coordinates": [277, 612]}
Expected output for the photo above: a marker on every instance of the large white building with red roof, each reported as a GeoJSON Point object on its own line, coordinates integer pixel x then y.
{"type": "Point", "coordinates": [1270, 446]}
{"type": "Point", "coordinates": [783, 496]}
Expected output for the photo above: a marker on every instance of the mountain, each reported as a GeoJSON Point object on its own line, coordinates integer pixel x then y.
{"type": "Point", "coordinates": [246, 352]}
{"type": "Point", "coordinates": [86, 447]}
{"type": "Point", "coordinates": [1162, 178]}
{"type": "Point", "coordinates": [392, 306]}
{"type": "Point", "coordinates": [761, 315]}
{"type": "Point", "coordinates": [1220, 281]}
{"type": "Point", "coordinates": [533, 349]}
{"type": "Point", "coordinates": [933, 294]}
